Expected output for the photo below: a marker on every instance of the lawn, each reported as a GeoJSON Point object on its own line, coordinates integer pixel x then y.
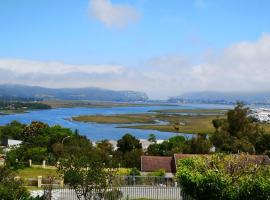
{"type": "Point", "coordinates": [34, 172]}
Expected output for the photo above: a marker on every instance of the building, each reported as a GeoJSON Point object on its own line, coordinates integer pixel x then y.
{"type": "Point", "coordinates": [9, 143]}
{"type": "Point", "coordinates": [169, 163]}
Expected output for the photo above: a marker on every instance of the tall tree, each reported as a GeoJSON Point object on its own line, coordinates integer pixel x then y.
{"type": "Point", "coordinates": [238, 132]}
{"type": "Point", "coordinates": [128, 143]}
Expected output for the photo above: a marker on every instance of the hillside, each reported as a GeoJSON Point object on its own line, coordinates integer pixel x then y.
{"type": "Point", "coordinates": [42, 93]}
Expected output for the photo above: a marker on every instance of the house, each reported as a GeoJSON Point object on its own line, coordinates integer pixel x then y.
{"type": "Point", "coordinates": [169, 163]}
{"type": "Point", "coordinates": [9, 143]}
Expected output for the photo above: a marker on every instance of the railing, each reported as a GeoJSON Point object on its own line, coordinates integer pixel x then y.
{"type": "Point", "coordinates": [143, 181]}
{"type": "Point", "coordinates": [121, 188]}
{"type": "Point", "coordinates": [117, 193]}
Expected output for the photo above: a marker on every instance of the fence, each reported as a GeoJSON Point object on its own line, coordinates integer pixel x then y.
{"type": "Point", "coordinates": [121, 188]}
{"type": "Point", "coordinates": [116, 181]}
{"type": "Point", "coordinates": [120, 193]}
{"type": "Point", "coordinates": [143, 181]}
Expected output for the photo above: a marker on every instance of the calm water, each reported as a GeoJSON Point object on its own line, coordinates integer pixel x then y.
{"type": "Point", "coordinates": [93, 131]}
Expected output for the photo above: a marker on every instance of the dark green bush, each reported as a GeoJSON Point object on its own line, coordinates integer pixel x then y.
{"type": "Point", "coordinates": [224, 177]}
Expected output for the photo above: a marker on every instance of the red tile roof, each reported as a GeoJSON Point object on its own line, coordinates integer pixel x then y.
{"type": "Point", "coordinates": [153, 163]}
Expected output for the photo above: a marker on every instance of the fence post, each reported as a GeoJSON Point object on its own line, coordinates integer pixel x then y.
{"type": "Point", "coordinates": [30, 163]}
{"type": "Point", "coordinates": [61, 183]}
{"type": "Point", "coordinates": [44, 164]}
{"type": "Point", "coordinates": [39, 181]}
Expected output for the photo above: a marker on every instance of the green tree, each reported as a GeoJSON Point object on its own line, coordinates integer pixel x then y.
{"type": "Point", "coordinates": [104, 150]}
{"type": "Point", "coordinates": [263, 144]}
{"type": "Point", "coordinates": [175, 144]}
{"type": "Point", "coordinates": [13, 130]}
{"type": "Point", "coordinates": [78, 146]}
{"type": "Point", "coordinates": [32, 130]}
{"type": "Point", "coordinates": [10, 188]}
{"type": "Point", "coordinates": [238, 132]}
{"type": "Point", "coordinates": [198, 145]}
{"type": "Point", "coordinates": [129, 151]}
{"type": "Point", "coordinates": [88, 178]}
{"type": "Point", "coordinates": [128, 143]}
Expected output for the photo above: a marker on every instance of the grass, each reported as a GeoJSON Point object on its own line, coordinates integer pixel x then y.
{"type": "Point", "coordinates": [188, 121]}
{"type": "Point", "coordinates": [187, 124]}
{"type": "Point", "coordinates": [194, 111]}
{"type": "Point", "coordinates": [117, 119]}
{"type": "Point", "coordinates": [34, 172]}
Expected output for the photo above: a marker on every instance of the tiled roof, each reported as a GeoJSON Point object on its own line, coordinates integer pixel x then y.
{"type": "Point", "coordinates": [153, 163]}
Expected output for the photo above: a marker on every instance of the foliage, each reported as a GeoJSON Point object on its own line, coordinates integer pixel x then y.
{"type": "Point", "coordinates": [128, 143]}
{"type": "Point", "coordinates": [39, 142]}
{"type": "Point", "coordinates": [263, 143]}
{"type": "Point", "coordinates": [159, 173]}
{"type": "Point", "coordinates": [104, 150]}
{"type": "Point", "coordinates": [89, 179]}
{"type": "Point", "coordinates": [10, 188]}
{"type": "Point", "coordinates": [218, 177]}
{"type": "Point", "coordinates": [129, 152]}
{"type": "Point", "coordinates": [13, 130]}
{"type": "Point", "coordinates": [238, 132]}
{"type": "Point", "coordinates": [113, 194]}
{"type": "Point", "coordinates": [16, 105]}
{"type": "Point", "coordinates": [168, 147]}
{"type": "Point", "coordinates": [134, 172]}
{"type": "Point", "coordinates": [179, 144]}
{"type": "Point", "coordinates": [198, 145]}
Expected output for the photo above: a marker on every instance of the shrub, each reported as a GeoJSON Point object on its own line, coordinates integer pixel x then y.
{"type": "Point", "coordinates": [134, 172]}
{"type": "Point", "coordinates": [159, 173]}
{"type": "Point", "coordinates": [10, 188]}
{"type": "Point", "coordinates": [224, 177]}
{"type": "Point", "coordinates": [113, 195]}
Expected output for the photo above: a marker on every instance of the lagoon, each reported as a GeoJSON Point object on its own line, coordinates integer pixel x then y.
{"type": "Point", "coordinates": [94, 131]}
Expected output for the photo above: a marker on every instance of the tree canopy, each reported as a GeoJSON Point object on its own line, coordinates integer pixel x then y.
{"type": "Point", "coordinates": [237, 132]}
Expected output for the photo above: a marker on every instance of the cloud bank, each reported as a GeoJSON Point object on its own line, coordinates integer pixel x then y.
{"type": "Point", "coordinates": [113, 15]}
{"type": "Point", "coordinates": [241, 67]}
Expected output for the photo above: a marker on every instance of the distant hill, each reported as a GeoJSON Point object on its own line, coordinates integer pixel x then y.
{"type": "Point", "coordinates": [42, 93]}
{"type": "Point", "coordinates": [223, 97]}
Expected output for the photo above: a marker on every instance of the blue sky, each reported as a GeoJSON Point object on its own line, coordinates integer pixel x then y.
{"type": "Point", "coordinates": [134, 37]}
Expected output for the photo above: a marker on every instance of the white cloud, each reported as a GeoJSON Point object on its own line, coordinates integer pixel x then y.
{"type": "Point", "coordinates": [241, 67]}
{"type": "Point", "coordinates": [28, 66]}
{"type": "Point", "coordinates": [113, 15]}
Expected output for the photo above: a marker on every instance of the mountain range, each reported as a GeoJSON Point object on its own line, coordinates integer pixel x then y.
{"type": "Point", "coordinates": [96, 94]}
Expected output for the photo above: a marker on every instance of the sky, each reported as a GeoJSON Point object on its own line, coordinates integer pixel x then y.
{"type": "Point", "coordinates": [163, 48]}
